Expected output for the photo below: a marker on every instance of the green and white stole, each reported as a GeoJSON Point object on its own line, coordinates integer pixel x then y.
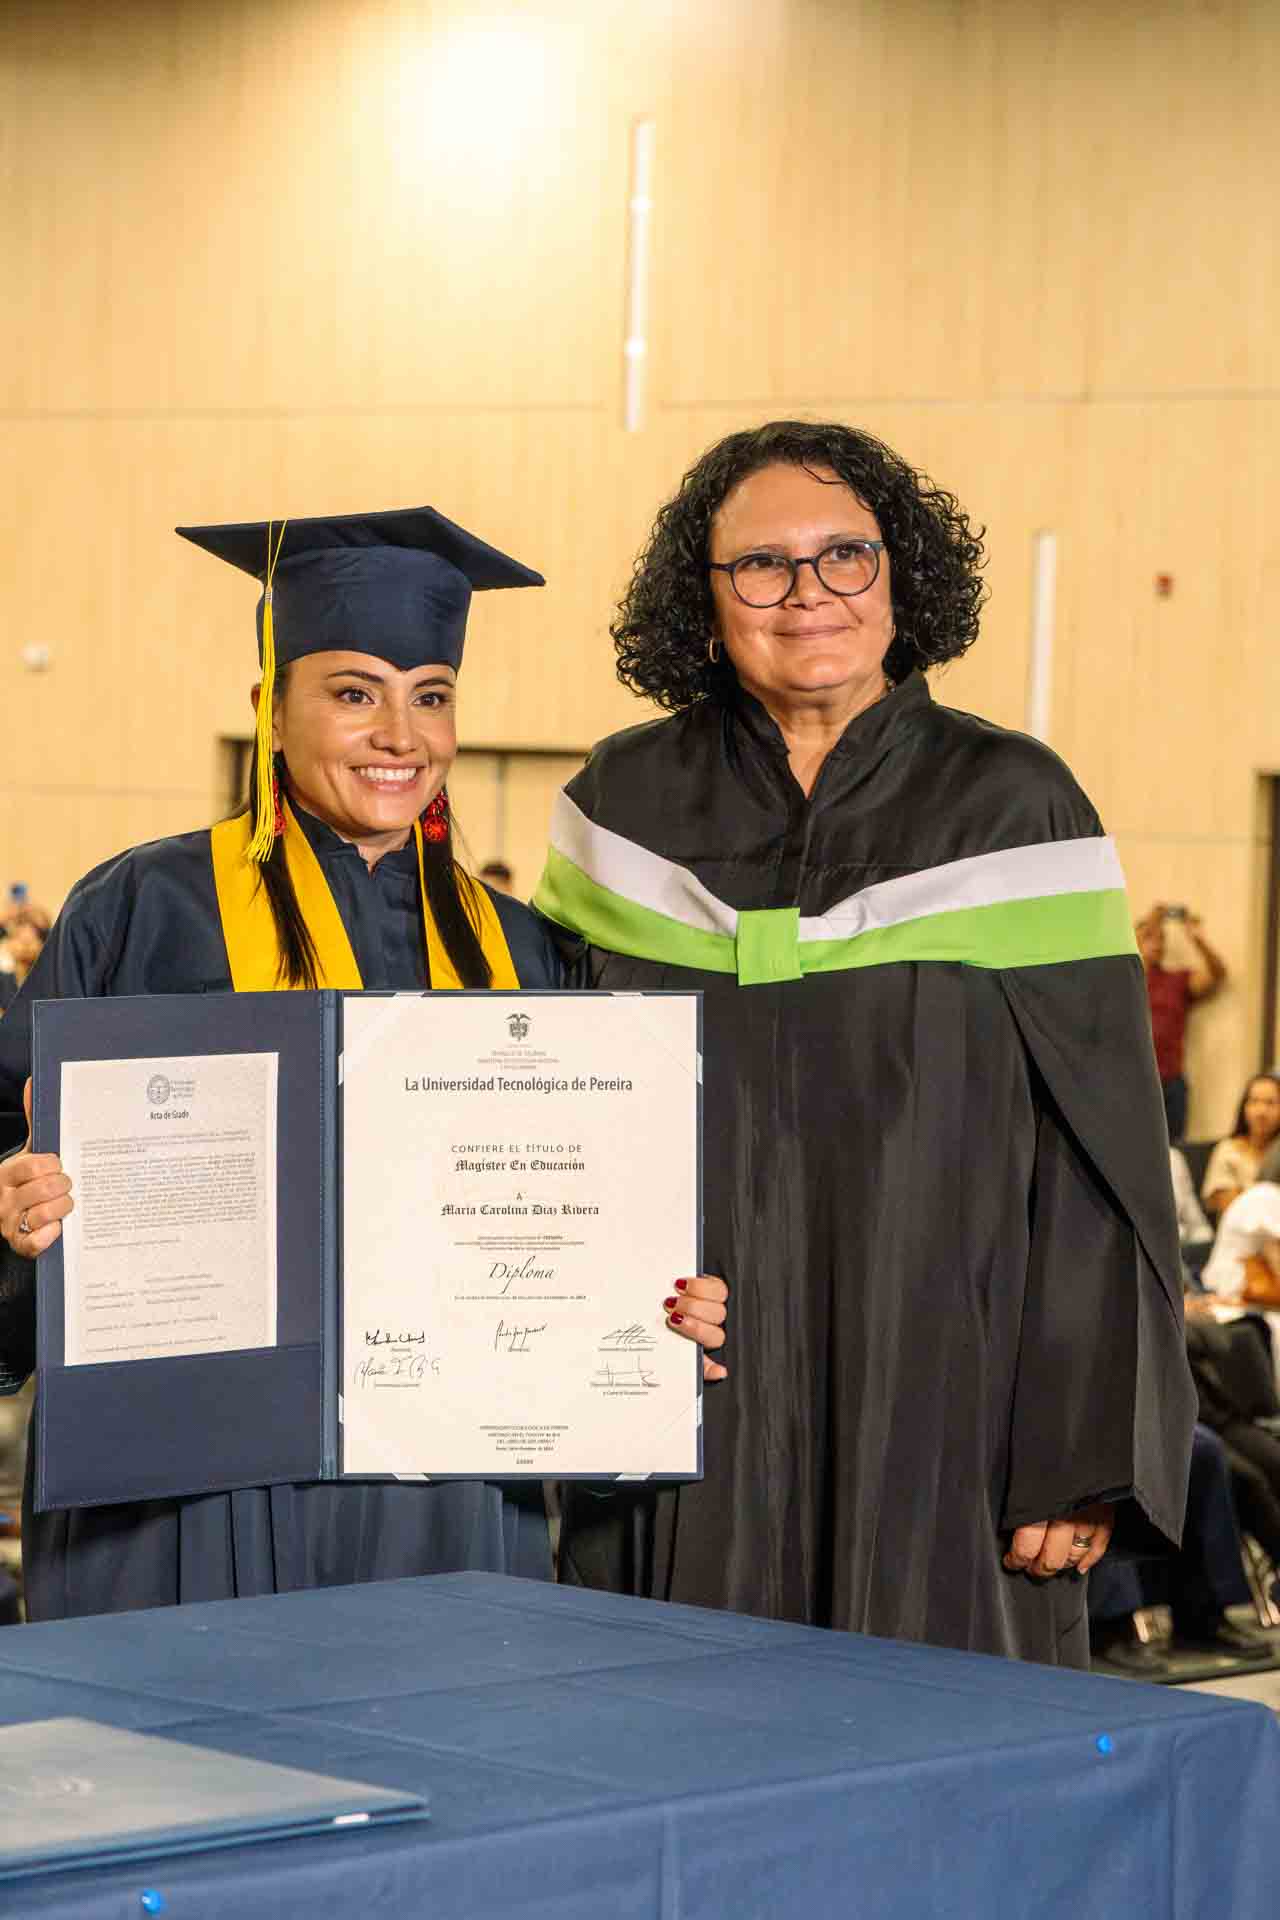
{"type": "Point", "coordinates": [1024, 907]}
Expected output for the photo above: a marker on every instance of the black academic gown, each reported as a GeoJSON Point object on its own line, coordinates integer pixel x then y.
{"type": "Point", "coordinates": [148, 922]}
{"type": "Point", "coordinates": [939, 1193]}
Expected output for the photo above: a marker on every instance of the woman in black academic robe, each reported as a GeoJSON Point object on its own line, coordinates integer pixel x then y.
{"type": "Point", "coordinates": [936, 1168]}
{"type": "Point", "coordinates": [366, 618]}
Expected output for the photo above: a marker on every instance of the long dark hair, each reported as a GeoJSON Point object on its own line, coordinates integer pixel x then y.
{"type": "Point", "coordinates": [666, 616]}
{"type": "Point", "coordinates": [451, 896]}
{"type": "Point", "coordinates": [1240, 1131]}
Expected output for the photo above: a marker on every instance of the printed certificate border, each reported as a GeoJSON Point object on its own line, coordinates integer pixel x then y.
{"type": "Point", "coordinates": [336, 1346]}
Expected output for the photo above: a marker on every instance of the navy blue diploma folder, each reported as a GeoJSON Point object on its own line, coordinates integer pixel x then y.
{"type": "Point", "coordinates": [202, 1422]}
{"type": "Point", "coordinates": [76, 1793]}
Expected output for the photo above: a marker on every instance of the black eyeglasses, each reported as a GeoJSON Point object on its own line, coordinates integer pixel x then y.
{"type": "Point", "coordinates": [845, 567]}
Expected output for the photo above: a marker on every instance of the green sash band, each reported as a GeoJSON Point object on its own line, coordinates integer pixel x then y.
{"type": "Point", "coordinates": [566, 895]}
{"type": "Point", "coordinates": [1080, 922]}
{"type": "Point", "coordinates": [1016, 933]}
{"type": "Point", "coordinates": [768, 946]}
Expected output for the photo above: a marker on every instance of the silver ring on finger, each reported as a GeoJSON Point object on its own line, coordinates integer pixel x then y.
{"type": "Point", "coordinates": [1082, 1540]}
{"type": "Point", "coordinates": [24, 1225]}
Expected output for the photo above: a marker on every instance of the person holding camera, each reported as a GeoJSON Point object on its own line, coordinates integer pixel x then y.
{"type": "Point", "coordinates": [1171, 993]}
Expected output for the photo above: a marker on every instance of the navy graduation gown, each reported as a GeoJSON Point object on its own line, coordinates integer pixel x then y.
{"type": "Point", "coordinates": [147, 922]}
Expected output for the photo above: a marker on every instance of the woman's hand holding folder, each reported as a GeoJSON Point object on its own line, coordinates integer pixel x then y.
{"type": "Point", "coordinates": [35, 1196]}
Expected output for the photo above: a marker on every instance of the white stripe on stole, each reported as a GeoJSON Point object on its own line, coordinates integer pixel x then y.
{"type": "Point", "coordinates": [637, 875]}
{"type": "Point", "coordinates": [983, 880]}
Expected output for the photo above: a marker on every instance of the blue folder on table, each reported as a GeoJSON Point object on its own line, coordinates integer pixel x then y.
{"type": "Point", "coordinates": [75, 1793]}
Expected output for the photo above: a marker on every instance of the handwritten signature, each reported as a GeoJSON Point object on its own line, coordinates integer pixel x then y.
{"type": "Point", "coordinates": [383, 1337]}
{"type": "Point", "coordinates": [632, 1339]}
{"type": "Point", "coordinates": [396, 1370]}
{"type": "Point", "coordinates": [515, 1339]}
{"type": "Point", "coordinates": [610, 1376]}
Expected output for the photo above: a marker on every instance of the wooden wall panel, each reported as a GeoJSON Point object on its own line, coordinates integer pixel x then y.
{"type": "Point", "coordinates": [502, 808]}
{"type": "Point", "coordinates": [319, 205]}
{"type": "Point", "coordinates": [475, 794]}
{"type": "Point", "coordinates": [948, 199]}
{"type": "Point", "coordinates": [887, 211]}
{"type": "Point", "coordinates": [321, 255]}
{"type": "Point", "coordinates": [1167, 705]}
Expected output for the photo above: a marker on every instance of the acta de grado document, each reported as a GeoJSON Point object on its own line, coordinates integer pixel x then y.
{"type": "Point", "coordinates": [171, 1246]}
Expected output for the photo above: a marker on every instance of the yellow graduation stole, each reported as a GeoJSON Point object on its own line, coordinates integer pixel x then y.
{"type": "Point", "coordinates": [250, 931]}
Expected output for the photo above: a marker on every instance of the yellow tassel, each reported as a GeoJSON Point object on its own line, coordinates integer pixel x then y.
{"type": "Point", "coordinates": [264, 832]}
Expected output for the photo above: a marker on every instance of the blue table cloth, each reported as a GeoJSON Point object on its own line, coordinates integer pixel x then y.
{"type": "Point", "coordinates": [595, 1758]}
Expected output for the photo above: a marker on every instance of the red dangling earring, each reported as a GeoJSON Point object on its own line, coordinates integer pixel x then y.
{"type": "Point", "coordinates": [277, 804]}
{"type": "Point", "coordinates": [435, 821]}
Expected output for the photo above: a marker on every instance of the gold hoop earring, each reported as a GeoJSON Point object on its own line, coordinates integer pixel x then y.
{"type": "Point", "coordinates": [713, 650]}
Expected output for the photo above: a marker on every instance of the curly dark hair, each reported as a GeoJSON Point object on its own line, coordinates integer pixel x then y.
{"type": "Point", "coordinates": [665, 617]}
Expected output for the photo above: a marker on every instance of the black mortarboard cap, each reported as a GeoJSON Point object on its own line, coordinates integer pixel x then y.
{"type": "Point", "coordinates": [397, 585]}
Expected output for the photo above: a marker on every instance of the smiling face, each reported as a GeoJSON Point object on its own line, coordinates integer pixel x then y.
{"type": "Point", "coordinates": [366, 746]}
{"type": "Point", "coordinates": [817, 645]}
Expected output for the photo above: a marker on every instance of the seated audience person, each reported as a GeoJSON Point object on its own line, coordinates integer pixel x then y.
{"type": "Point", "coordinates": [1244, 1268]}
{"type": "Point", "coordinates": [1195, 1235]}
{"type": "Point", "coordinates": [1238, 1400]}
{"type": "Point", "coordinates": [1198, 1582]}
{"type": "Point", "coordinates": [496, 873]}
{"type": "Point", "coordinates": [25, 933]}
{"type": "Point", "coordinates": [13, 1447]}
{"type": "Point", "coordinates": [1234, 1162]}
{"type": "Point", "coordinates": [1171, 992]}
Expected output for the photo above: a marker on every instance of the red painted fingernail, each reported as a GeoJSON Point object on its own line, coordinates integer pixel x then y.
{"type": "Point", "coordinates": [682, 1286]}
{"type": "Point", "coordinates": [668, 1304]}
{"type": "Point", "coordinates": [677, 1319]}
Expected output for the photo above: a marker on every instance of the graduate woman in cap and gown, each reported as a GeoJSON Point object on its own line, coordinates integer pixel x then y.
{"type": "Point", "coordinates": [340, 873]}
{"type": "Point", "coordinates": [936, 1173]}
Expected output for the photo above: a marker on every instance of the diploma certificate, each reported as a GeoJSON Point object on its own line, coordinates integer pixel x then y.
{"type": "Point", "coordinates": [520, 1179]}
